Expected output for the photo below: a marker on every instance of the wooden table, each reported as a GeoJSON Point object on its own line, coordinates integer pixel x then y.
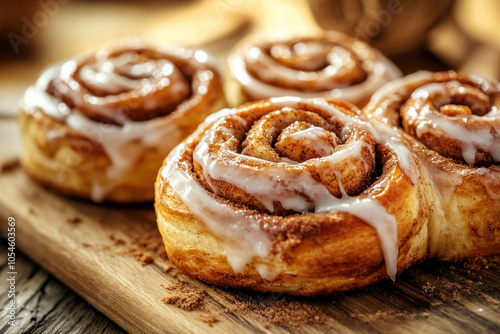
{"type": "Point", "coordinates": [46, 305]}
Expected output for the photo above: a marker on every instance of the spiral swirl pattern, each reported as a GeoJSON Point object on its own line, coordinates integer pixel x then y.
{"type": "Point", "coordinates": [453, 114]}
{"type": "Point", "coordinates": [115, 114]}
{"type": "Point", "coordinates": [451, 121]}
{"type": "Point", "coordinates": [331, 66]}
{"type": "Point", "coordinates": [250, 174]}
{"type": "Point", "coordinates": [333, 152]}
{"type": "Point", "coordinates": [122, 85]}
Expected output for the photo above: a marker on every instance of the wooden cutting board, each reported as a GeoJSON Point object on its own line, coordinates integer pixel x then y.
{"type": "Point", "coordinates": [113, 257]}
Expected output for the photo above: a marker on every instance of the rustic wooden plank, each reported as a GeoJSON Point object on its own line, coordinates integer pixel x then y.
{"type": "Point", "coordinates": [83, 255]}
{"type": "Point", "coordinates": [433, 297]}
{"type": "Point", "coordinates": [44, 305]}
{"type": "Point", "coordinates": [100, 275]}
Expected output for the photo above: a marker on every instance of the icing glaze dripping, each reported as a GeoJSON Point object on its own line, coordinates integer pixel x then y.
{"type": "Point", "coordinates": [378, 74]}
{"type": "Point", "coordinates": [294, 191]}
{"type": "Point", "coordinates": [123, 142]}
{"type": "Point", "coordinates": [242, 236]}
{"type": "Point", "coordinates": [312, 137]}
{"type": "Point", "coordinates": [471, 138]}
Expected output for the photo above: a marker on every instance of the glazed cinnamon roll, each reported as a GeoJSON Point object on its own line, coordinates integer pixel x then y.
{"type": "Point", "coordinates": [452, 123]}
{"type": "Point", "coordinates": [330, 66]}
{"type": "Point", "coordinates": [98, 126]}
{"type": "Point", "coordinates": [295, 195]}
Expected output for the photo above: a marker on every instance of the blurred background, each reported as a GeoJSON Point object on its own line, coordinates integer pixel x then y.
{"type": "Point", "coordinates": [426, 34]}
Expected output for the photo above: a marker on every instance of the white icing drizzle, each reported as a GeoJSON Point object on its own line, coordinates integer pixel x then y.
{"type": "Point", "coordinates": [378, 74]}
{"type": "Point", "coordinates": [446, 180]}
{"type": "Point", "coordinates": [392, 140]}
{"type": "Point", "coordinates": [312, 54]}
{"type": "Point", "coordinates": [381, 132]}
{"type": "Point", "coordinates": [267, 273]}
{"type": "Point", "coordinates": [240, 232]}
{"type": "Point", "coordinates": [490, 181]}
{"type": "Point", "coordinates": [471, 139]}
{"type": "Point", "coordinates": [395, 87]}
{"type": "Point", "coordinates": [322, 78]}
{"type": "Point", "coordinates": [104, 76]}
{"type": "Point", "coordinates": [405, 158]}
{"type": "Point", "coordinates": [312, 137]}
{"type": "Point", "coordinates": [374, 214]}
{"type": "Point", "coordinates": [295, 102]}
{"type": "Point", "coordinates": [122, 143]}
{"type": "Point", "coordinates": [118, 77]}
{"type": "Point", "coordinates": [271, 182]}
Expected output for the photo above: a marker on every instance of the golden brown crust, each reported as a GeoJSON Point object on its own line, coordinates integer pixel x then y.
{"type": "Point", "coordinates": [73, 163]}
{"type": "Point", "coordinates": [311, 252]}
{"type": "Point", "coordinates": [466, 214]}
{"type": "Point", "coordinates": [80, 153]}
{"type": "Point", "coordinates": [331, 65]}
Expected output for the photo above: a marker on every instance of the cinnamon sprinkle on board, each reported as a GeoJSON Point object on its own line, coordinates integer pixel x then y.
{"type": "Point", "coordinates": [490, 299]}
{"type": "Point", "coordinates": [450, 284]}
{"type": "Point", "coordinates": [285, 311]}
{"type": "Point", "coordinates": [168, 268]}
{"type": "Point", "coordinates": [9, 165]}
{"type": "Point", "coordinates": [145, 247]}
{"type": "Point", "coordinates": [185, 296]}
{"type": "Point", "coordinates": [191, 299]}
{"type": "Point", "coordinates": [147, 259]}
{"type": "Point", "coordinates": [208, 318]}
{"type": "Point", "coordinates": [74, 220]}
{"type": "Point", "coordinates": [381, 316]}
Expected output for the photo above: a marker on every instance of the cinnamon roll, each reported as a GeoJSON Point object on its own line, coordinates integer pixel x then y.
{"type": "Point", "coordinates": [330, 66]}
{"type": "Point", "coordinates": [301, 196]}
{"type": "Point", "coordinates": [98, 126]}
{"type": "Point", "coordinates": [451, 121]}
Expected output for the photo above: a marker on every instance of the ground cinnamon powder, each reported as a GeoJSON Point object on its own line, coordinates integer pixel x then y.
{"type": "Point", "coordinates": [382, 315]}
{"type": "Point", "coordinates": [287, 311]}
{"type": "Point", "coordinates": [145, 247]}
{"type": "Point", "coordinates": [466, 280]}
{"type": "Point", "coordinates": [190, 298]}
{"type": "Point", "coordinates": [185, 296]}
{"type": "Point", "coordinates": [9, 165]}
{"type": "Point", "coordinates": [74, 220]}
{"type": "Point", "coordinates": [292, 312]}
{"type": "Point", "coordinates": [284, 311]}
{"type": "Point", "coordinates": [150, 243]}
{"type": "Point", "coordinates": [490, 299]}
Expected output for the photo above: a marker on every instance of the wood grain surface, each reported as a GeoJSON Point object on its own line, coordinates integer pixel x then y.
{"type": "Point", "coordinates": [109, 255]}
{"type": "Point", "coordinates": [94, 251]}
{"type": "Point", "coordinates": [47, 306]}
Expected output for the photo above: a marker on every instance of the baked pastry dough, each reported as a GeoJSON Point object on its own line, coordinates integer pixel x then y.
{"type": "Point", "coordinates": [295, 195]}
{"type": "Point", "coordinates": [98, 126]}
{"type": "Point", "coordinates": [333, 65]}
{"type": "Point", "coordinates": [451, 121]}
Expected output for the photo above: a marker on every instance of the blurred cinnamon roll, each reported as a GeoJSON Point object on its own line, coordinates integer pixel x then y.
{"type": "Point", "coordinates": [99, 125]}
{"type": "Point", "coordinates": [452, 123]}
{"type": "Point", "coordinates": [295, 195]}
{"type": "Point", "coordinates": [330, 66]}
